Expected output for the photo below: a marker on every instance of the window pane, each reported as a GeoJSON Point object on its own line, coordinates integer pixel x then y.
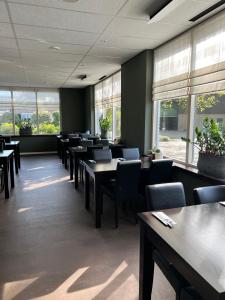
{"type": "Point", "coordinates": [48, 112]}
{"type": "Point", "coordinates": [172, 126]}
{"type": "Point", "coordinates": [25, 109]}
{"type": "Point", "coordinates": [6, 115]}
{"type": "Point", "coordinates": [211, 106]}
{"type": "Point", "coordinates": [108, 113]}
{"type": "Point", "coordinates": [108, 103]}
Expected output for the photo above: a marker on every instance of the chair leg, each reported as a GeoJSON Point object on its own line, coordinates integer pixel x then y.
{"type": "Point", "coordinates": [101, 202]}
{"type": "Point", "coordinates": [116, 214]}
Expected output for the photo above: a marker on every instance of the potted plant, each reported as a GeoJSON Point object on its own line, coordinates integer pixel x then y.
{"type": "Point", "coordinates": [25, 127]}
{"type": "Point", "coordinates": [104, 124]}
{"type": "Point", "coordinates": [155, 153]}
{"type": "Point", "coordinates": [210, 141]}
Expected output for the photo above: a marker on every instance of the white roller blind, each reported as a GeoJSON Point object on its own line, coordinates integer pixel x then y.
{"type": "Point", "coordinates": [171, 68]}
{"type": "Point", "coordinates": [207, 74]}
{"type": "Point", "coordinates": [193, 63]}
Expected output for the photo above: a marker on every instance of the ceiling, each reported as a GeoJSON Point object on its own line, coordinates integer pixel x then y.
{"type": "Point", "coordinates": [92, 37]}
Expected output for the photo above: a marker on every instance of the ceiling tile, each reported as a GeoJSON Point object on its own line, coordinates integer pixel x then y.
{"type": "Point", "coordinates": [4, 17]}
{"type": "Point", "coordinates": [6, 30]}
{"type": "Point", "coordinates": [8, 43]}
{"type": "Point", "coordinates": [122, 27]}
{"type": "Point", "coordinates": [97, 6]}
{"type": "Point", "coordinates": [55, 35]}
{"type": "Point", "coordinates": [56, 18]}
{"type": "Point", "coordinates": [8, 52]}
{"type": "Point", "coordinates": [46, 46]}
{"type": "Point", "coordinates": [127, 42]}
{"type": "Point", "coordinates": [112, 52]}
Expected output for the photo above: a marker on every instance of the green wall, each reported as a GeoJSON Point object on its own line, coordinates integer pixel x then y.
{"type": "Point", "coordinates": [36, 143]}
{"type": "Point", "coordinates": [72, 106]}
{"type": "Point", "coordinates": [136, 101]}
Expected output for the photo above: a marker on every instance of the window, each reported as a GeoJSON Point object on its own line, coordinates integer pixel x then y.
{"type": "Point", "coordinates": [6, 113]}
{"type": "Point", "coordinates": [108, 104]}
{"type": "Point", "coordinates": [41, 108]}
{"type": "Point", "coordinates": [172, 126]}
{"type": "Point", "coordinates": [189, 85]}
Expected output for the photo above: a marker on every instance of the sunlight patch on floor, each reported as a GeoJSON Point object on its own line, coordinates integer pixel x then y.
{"type": "Point", "coordinates": [12, 289]}
{"type": "Point", "coordinates": [23, 209]}
{"type": "Point", "coordinates": [39, 185]}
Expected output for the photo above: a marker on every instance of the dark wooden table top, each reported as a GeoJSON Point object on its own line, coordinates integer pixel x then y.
{"type": "Point", "coordinates": [107, 165]}
{"type": "Point", "coordinates": [199, 239]}
{"type": "Point", "coordinates": [5, 153]}
{"type": "Point", "coordinates": [13, 143]}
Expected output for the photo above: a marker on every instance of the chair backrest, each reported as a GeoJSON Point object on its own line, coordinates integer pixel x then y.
{"type": "Point", "coordinates": [127, 179]}
{"type": "Point", "coordinates": [103, 142]}
{"type": "Point", "coordinates": [86, 143]}
{"type": "Point", "coordinates": [84, 135]}
{"type": "Point", "coordinates": [102, 154]}
{"type": "Point", "coordinates": [209, 194]}
{"type": "Point", "coordinates": [165, 195]}
{"type": "Point", "coordinates": [160, 171]}
{"type": "Point", "coordinates": [74, 141]}
{"type": "Point", "coordinates": [73, 135]}
{"type": "Point", "coordinates": [131, 153]}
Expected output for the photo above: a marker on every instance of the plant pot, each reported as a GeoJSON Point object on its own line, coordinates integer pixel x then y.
{"type": "Point", "coordinates": [25, 131]}
{"type": "Point", "coordinates": [103, 134]}
{"type": "Point", "coordinates": [212, 165]}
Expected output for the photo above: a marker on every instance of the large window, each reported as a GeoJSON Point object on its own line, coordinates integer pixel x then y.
{"type": "Point", "coordinates": [108, 104]}
{"type": "Point", "coordinates": [189, 85]}
{"type": "Point", "coordinates": [40, 108]}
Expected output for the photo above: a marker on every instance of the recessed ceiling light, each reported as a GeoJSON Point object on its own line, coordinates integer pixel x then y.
{"type": "Point", "coordinates": [54, 48]}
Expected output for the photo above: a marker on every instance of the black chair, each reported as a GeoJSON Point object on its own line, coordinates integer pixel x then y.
{"type": "Point", "coordinates": [103, 142]}
{"type": "Point", "coordinates": [84, 135]}
{"type": "Point", "coordinates": [160, 171]}
{"type": "Point", "coordinates": [209, 194]}
{"type": "Point", "coordinates": [189, 293]}
{"type": "Point", "coordinates": [74, 141]}
{"type": "Point", "coordinates": [131, 153]}
{"type": "Point", "coordinates": [1, 179]}
{"type": "Point", "coordinates": [86, 143]}
{"type": "Point", "coordinates": [124, 189]}
{"type": "Point", "coordinates": [102, 154]}
{"type": "Point", "coordinates": [164, 196]}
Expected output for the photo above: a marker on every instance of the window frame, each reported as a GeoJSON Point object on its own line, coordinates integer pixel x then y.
{"type": "Point", "coordinates": [112, 97]}
{"type": "Point", "coordinates": [36, 91]}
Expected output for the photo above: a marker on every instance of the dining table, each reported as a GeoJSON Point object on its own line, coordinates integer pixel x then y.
{"type": "Point", "coordinates": [195, 246]}
{"type": "Point", "coordinates": [100, 172]}
{"type": "Point", "coordinates": [6, 160]}
{"type": "Point", "coordinates": [15, 146]}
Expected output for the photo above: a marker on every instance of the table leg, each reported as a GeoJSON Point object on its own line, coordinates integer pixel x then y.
{"type": "Point", "coordinates": [11, 171]}
{"type": "Point", "coordinates": [18, 155]}
{"type": "Point", "coordinates": [97, 202]}
{"type": "Point", "coordinates": [146, 271]}
{"type": "Point", "coordinates": [16, 160]}
{"type": "Point", "coordinates": [71, 166]}
{"type": "Point", "coordinates": [76, 166]}
{"type": "Point", "coordinates": [65, 158]}
{"type": "Point", "coordinates": [6, 179]}
{"type": "Point", "coordinates": [87, 190]}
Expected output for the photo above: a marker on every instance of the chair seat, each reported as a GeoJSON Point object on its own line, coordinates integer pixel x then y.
{"type": "Point", "coordinates": [189, 293]}
{"type": "Point", "coordinates": [173, 276]}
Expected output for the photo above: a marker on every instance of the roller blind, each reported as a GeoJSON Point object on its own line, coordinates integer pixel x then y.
{"type": "Point", "coordinates": [208, 50]}
{"type": "Point", "coordinates": [171, 68]}
{"type": "Point", "coordinates": [193, 63]}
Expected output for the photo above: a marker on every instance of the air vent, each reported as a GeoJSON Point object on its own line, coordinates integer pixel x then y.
{"type": "Point", "coordinates": [82, 76]}
{"type": "Point", "coordinates": [103, 77]}
{"type": "Point", "coordinates": [207, 11]}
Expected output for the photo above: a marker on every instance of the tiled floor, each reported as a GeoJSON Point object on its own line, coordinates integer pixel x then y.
{"type": "Point", "coordinates": [49, 248]}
